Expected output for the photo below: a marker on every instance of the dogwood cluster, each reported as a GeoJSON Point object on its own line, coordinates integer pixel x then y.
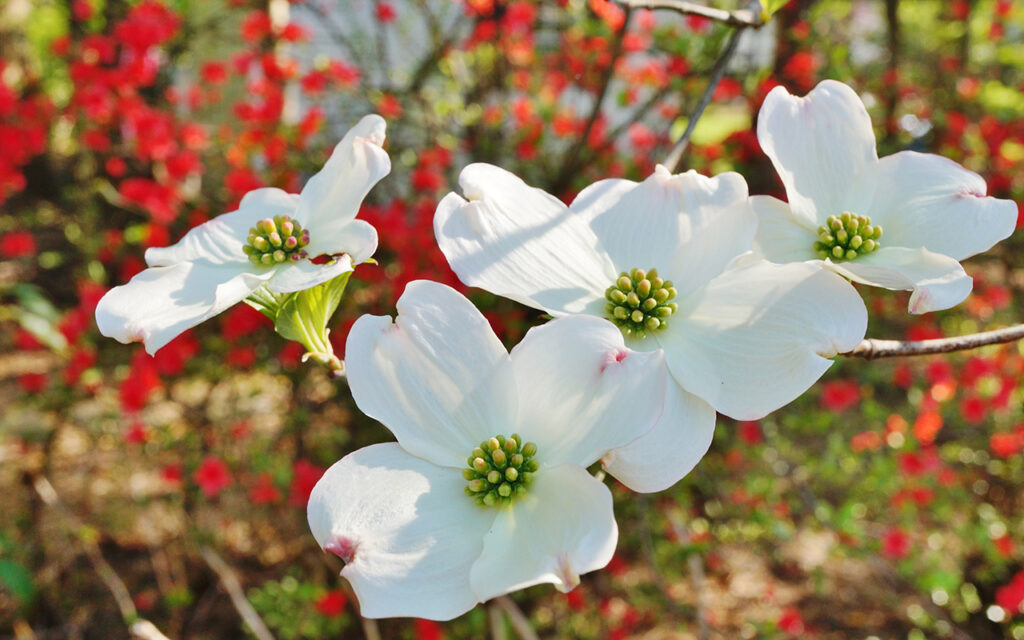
{"type": "Point", "coordinates": [674, 299]}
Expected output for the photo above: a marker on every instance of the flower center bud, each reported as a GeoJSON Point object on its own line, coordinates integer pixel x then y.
{"type": "Point", "coordinates": [276, 240]}
{"type": "Point", "coordinates": [639, 302]}
{"type": "Point", "coordinates": [500, 470]}
{"type": "Point", "coordinates": [846, 236]}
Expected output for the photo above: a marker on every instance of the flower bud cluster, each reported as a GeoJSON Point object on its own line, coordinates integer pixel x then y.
{"type": "Point", "coordinates": [500, 469]}
{"type": "Point", "coordinates": [276, 240]}
{"type": "Point", "coordinates": [846, 236]}
{"type": "Point", "coordinates": [639, 301]}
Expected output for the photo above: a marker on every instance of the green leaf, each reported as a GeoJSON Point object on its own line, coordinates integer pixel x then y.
{"type": "Point", "coordinates": [769, 7]}
{"type": "Point", "coordinates": [18, 581]}
{"type": "Point", "coordinates": [37, 315]}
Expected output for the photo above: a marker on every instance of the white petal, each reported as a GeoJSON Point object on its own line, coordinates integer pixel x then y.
{"type": "Point", "coordinates": [937, 281]}
{"type": "Point", "coordinates": [220, 240]}
{"type": "Point", "coordinates": [819, 145]}
{"type": "Point", "coordinates": [161, 302]}
{"type": "Point", "coordinates": [331, 198]}
{"type": "Point", "coordinates": [780, 237]}
{"type": "Point", "coordinates": [562, 528]}
{"type": "Point", "coordinates": [925, 200]}
{"type": "Point", "coordinates": [688, 226]}
{"type": "Point", "coordinates": [520, 243]}
{"type": "Point", "coordinates": [669, 451]}
{"type": "Point", "coordinates": [582, 392]}
{"type": "Point", "coordinates": [407, 531]}
{"type": "Point", "coordinates": [359, 238]}
{"type": "Point", "coordinates": [757, 337]}
{"type": "Point", "coordinates": [301, 275]}
{"type": "Point", "coordinates": [438, 377]}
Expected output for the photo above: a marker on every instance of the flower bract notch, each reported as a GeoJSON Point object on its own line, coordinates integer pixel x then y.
{"type": "Point", "coordinates": [276, 240]}
{"type": "Point", "coordinates": [500, 470]}
{"type": "Point", "coordinates": [846, 236]}
{"type": "Point", "coordinates": [640, 301]}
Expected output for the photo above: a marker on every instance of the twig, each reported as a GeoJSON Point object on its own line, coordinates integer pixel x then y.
{"type": "Point", "coordinates": [570, 164]}
{"type": "Point", "coordinates": [370, 629]}
{"type": "Point", "coordinates": [872, 348]}
{"type": "Point", "coordinates": [139, 627]}
{"type": "Point", "coordinates": [740, 18]}
{"type": "Point", "coordinates": [518, 619]}
{"type": "Point", "coordinates": [230, 582]}
{"type": "Point", "coordinates": [676, 155]}
{"type": "Point", "coordinates": [695, 564]}
{"type": "Point", "coordinates": [497, 622]}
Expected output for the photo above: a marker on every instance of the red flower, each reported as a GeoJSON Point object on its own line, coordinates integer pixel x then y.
{"type": "Point", "coordinates": [386, 12]}
{"type": "Point", "coordinates": [264, 492]}
{"type": "Point", "coordinates": [136, 434]}
{"type": "Point", "coordinates": [750, 432]}
{"type": "Point", "coordinates": [304, 478]}
{"type": "Point", "coordinates": [895, 544]}
{"type": "Point", "coordinates": [1011, 595]}
{"type": "Point", "coordinates": [212, 476]}
{"type": "Point", "coordinates": [332, 603]}
{"type": "Point", "coordinates": [840, 395]}
{"type": "Point", "coordinates": [927, 426]}
{"type": "Point", "coordinates": [428, 630]}
{"type": "Point", "coordinates": [17, 244]}
{"type": "Point", "coordinates": [791, 622]}
{"type": "Point", "coordinates": [1005, 445]}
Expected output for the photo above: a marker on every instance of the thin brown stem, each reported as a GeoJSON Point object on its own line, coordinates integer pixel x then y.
{"type": "Point", "coordinates": [676, 155]}
{"type": "Point", "coordinates": [370, 629]}
{"type": "Point", "coordinates": [873, 348]}
{"type": "Point", "coordinates": [497, 621]}
{"type": "Point", "coordinates": [518, 619]}
{"type": "Point", "coordinates": [138, 627]}
{"type": "Point", "coordinates": [748, 17]}
{"type": "Point", "coordinates": [229, 580]}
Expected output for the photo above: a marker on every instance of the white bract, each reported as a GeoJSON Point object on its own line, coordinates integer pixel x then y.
{"type": "Point", "coordinates": [740, 339]}
{"type": "Point", "coordinates": [425, 526]}
{"type": "Point", "coordinates": [269, 241]}
{"type": "Point", "coordinates": [922, 213]}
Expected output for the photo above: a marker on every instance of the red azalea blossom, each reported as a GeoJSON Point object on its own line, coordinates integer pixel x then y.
{"type": "Point", "coordinates": [1011, 595]}
{"type": "Point", "coordinates": [264, 491]}
{"type": "Point", "coordinates": [895, 544]}
{"type": "Point", "coordinates": [305, 475]}
{"type": "Point", "coordinates": [17, 244]}
{"type": "Point", "coordinates": [792, 623]}
{"type": "Point", "coordinates": [428, 630]}
{"type": "Point", "coordinates": [332, 603]}
{"type": "Point", "coordinates": [840, 395]}
{"type": "Point", "coordinates": [212, 476]}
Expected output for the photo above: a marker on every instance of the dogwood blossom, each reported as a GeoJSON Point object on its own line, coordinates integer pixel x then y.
{"type": "Point", "coordinates": [486, 490]}
{"type": "Point", "coordinates": [269, 241]}
{"type": "Point", "coordinates": [659, 259]}
{"type": "Point", "coordinates": [900, 222]}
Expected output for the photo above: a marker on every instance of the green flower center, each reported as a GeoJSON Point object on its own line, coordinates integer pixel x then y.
{"type": "Point", "coordinates": [276, 240]}
{"type": "Point", "coordinates": [639, 302]}
{"type": "Point", "coordinates": [500, 470]}
{"type": "Point", "coordinates": [846, 236]}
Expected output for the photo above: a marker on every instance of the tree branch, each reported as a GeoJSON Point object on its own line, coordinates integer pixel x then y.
{"type": "Point", "coordinates": [676, 155]}
{"type": "Point", "coordinates": [749, 17]}
{"type": "Point", "coordinates": [872, 348]}
{"type": "Point", "coordinates": [518, 619]}
{"type": "Point", "coordinates": [230, 582]}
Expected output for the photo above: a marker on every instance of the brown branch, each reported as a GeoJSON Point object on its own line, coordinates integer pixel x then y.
{"type": "Point", "coordinates": [518, 619]}
{"type": "Point", "coordinates": [139, 627]}
{"type": "Point", "coordinates": [748, 17]}
{"type": "Point", "coordinates": [229, 580]}
{"type": "Point", "coordinates": [497, 622]}
{"type": "Point", "coordinates": [872, 348]}
{"type": "Point", "coordinates": [676, 155]}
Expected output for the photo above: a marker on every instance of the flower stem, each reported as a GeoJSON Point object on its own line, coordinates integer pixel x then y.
{"type": "Point", "coordinates": [872, 348]}
{"type": "Point", "coordinates": [739, 18]}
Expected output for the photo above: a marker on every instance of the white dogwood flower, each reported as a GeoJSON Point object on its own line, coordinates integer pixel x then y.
{"type": "Point", "coordinates": [486, 490]}
{"type": "Point", "coordinates": [900, 222]}
{"type": "Point", "coordinates": [269, 241]}
{"type": "Point", "coordinates": [659, 259]}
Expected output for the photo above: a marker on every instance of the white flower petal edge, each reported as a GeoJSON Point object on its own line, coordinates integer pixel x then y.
{"type": "Point", "coordinates": [687, 226]}
{"type": "Point", "coordinates": [937, 281]}
{"type": "Point", "coordinates": [781, 237]}
{"type": "Point", "coordinates": [759, 336]}
{"type": "Point", "coordinates": [161, 302]}
{"type": "Point", "coordinates": [926, 200]}
{"type": "Point", "coordinates": [563, 528]}
{"type": "Point", "coordinates": [407, 532]}
{"type": "Point", "coordinates": [819, 145]}
{"type": "Point", "coordinates": [582, 392]}
{"type": "Point", "coordinates": [170, 297]}
{"type": "Point", "coordinates": [437, 376]}
{"type": "Point", "coordinates": [664, 455]}
{"type": "Point", "coordinates": [518, 242]}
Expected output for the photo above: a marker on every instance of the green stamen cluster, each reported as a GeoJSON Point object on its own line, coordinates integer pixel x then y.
{"type": "Point", "coordinates": [276, 240]}
{"type": "Point", "coordinates": [500, 469]}
{"type": "Point", "coordinates": [639, 302]}
{"type": "Point", "coordinates": [846, 236]}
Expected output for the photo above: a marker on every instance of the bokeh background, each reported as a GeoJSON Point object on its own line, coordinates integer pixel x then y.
{"type": "Point", "coordinates": [886, 503]}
